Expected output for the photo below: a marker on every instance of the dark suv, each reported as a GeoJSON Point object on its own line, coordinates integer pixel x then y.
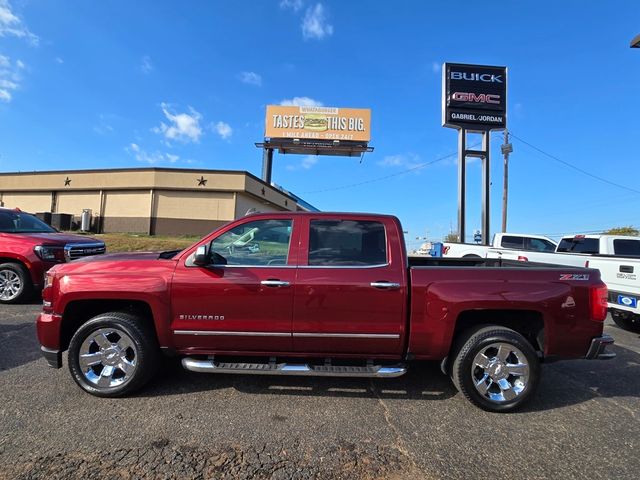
{"type": "Point", "coordinates": [29, 247]}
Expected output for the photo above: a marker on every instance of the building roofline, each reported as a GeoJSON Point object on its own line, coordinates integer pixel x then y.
{"type": "Point", "coordinates": [154, 169]}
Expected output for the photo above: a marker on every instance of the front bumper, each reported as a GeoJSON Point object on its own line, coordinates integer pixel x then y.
{"type": "Point", "coordinates": [53, 357]}
{"type": "Point", "coordinates": [598, 346]}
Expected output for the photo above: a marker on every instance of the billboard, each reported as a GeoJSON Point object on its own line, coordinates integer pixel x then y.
{"type": "Point", "coordinates": [318, 123]}
{"type": "Point", "coordinates": [474, 96]}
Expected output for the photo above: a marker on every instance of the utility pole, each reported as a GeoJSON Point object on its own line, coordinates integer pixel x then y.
{"type": "Point", "coordinates": [506, 148]}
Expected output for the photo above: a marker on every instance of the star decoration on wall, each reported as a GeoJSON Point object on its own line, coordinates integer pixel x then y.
{"type": "Point", "coordinates": [202, 182]}
{"type": "Point", "coordinates": [67, 182]}
{"type": "Point", "coordinates": [263, 190]}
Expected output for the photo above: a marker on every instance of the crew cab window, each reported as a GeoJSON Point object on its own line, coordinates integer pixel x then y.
{"type": "Point", "coordinates": [347, 243]}
{"type": "Point", "coordinates": [540, 245]}
{"type": "Point", "coordinates": [513, 242]}
{"type": "Point", "coordinates": [630, 248]}
{"type": "Point", "coordinates": [263, 242]}
{"type": "Point", "coordinates": [579, 245]}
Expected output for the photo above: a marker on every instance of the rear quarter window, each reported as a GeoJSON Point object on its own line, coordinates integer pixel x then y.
{"type": "Point", "coordinates": [626, 247]}
{"type": "Point", "coordinates": [509, 241]}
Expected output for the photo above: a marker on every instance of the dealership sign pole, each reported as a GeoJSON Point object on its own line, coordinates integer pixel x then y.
{"type": "Point", "coordinates": [474, 100]}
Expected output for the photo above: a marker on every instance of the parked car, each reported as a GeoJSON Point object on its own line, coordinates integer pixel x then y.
{"type": "Point", "coordinates": [508, 245]}
{"type": "Point", "coordinates": [328, 294]}
{"type": "Point", "coordinates": [29, 247]}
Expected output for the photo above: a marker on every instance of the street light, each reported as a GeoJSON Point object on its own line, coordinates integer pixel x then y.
{"type": "Point", "coordinates": [635, 43]}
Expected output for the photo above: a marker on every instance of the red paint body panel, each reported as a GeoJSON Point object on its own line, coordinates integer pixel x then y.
{"type": "Point", "coordinates": [324, 311]}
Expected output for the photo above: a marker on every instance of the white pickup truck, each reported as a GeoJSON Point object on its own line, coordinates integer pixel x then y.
{"type": "Point", "coordinates": [617, 257]}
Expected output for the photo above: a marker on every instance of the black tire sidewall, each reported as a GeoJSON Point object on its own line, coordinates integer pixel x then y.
{"type": "Point", "coordinates": [25, 288]}
{"type": "Point", "coordinates": [146, 353]}
{"type": "Point", "coordinates": [481, 339]}
{"type": "Point", "coordinates": [626, 323]}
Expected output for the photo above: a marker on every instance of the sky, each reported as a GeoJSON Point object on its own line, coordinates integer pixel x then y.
{"type": "Point", "coordinates": [185, 85]}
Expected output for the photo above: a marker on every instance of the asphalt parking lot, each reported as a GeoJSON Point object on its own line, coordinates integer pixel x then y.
{"type": "Point", "coordinates": [584, 423]}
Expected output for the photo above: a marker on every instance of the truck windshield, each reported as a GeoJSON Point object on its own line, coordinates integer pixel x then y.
{"type": "Point", "coordinates": [579, 245]}
{"type": "Point", "coordinates": [20, 222]}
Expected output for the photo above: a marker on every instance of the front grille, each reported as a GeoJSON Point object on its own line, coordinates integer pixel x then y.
{"type": "Point", "coordinates": [79, 250]}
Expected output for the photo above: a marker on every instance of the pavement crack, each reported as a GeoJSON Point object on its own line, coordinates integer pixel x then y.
{"type": "Point", "coordinates": [399, 442]}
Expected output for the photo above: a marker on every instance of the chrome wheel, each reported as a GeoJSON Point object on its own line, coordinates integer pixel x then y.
{"type": "Point", "coordinates": [500, 372]}
{"type": "Point", "coordinates": [10, 285]}
{"type": "Point", "coordinates": [108, 358]}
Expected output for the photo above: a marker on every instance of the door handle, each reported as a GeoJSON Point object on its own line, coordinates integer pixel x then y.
{"type": "Point", "coordinates": [274, 283]}
{"type": "Point", "coordinates": [385, 285]}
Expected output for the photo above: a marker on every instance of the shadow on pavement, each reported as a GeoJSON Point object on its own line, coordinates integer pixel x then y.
{"type": "Point", "coordinates": [18, 345]}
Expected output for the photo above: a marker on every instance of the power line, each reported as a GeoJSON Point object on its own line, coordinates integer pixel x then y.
{"type": "Point", "coordinates": [570, 165]}
{"type": "Point", "coordinates": [378, 179]}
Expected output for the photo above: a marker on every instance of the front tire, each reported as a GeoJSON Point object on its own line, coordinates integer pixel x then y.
{"type": "Point", "coordinates": [15, 283]}
{"type": "Point", "coordinates": [113, 354]}
{"type": "Point", "coordinates": [496, 369]}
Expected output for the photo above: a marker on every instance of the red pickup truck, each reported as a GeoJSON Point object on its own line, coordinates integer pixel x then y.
{"type": "Point", "coordinates": [29, 247]}
{"type": "Point", "coordinates": [327, 294]}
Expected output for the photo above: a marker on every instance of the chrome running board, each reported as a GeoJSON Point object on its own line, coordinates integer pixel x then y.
{"type": "Point", "coordinates": [302, 369]}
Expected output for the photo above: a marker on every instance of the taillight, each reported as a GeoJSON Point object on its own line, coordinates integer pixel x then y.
{"type": "Point", "coordinates": [445, 249]}
{"type": "Point", "coordinates": [598, 302]}
{"type": "Point", "coordinates": [522, 258]}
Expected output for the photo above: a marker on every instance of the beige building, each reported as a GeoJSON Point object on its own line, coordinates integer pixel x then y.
{"type": "Point", "coordinates": [162, 201]}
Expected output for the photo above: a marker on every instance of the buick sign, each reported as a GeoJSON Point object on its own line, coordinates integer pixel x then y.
{"type": "Point", "coordinates": [474, 96]}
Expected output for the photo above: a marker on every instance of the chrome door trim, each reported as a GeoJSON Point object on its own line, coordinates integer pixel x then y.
{"type": "Point", "coordinates": [231, 333]}
{"type": "Point", "coordinates": [394, 336]}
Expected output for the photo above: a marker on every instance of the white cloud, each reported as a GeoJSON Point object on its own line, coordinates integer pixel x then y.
{"type": "Point", "coordinates": [146, 66]}
{"type": "Point", "coordinates": [314, 24]}
{"type": "Point", "coordinates": [151, 158]}
{"type": "Point", "coordinates": [10, 77]}
{"type": "Point", "coordinates": [294, 5]}
{"type": "Point", "coordinates": [404, 160]}
{"type": "Point", "coordinates": [104, 127]}
{"type": "Point", "coordinates": [306, 163]}
{"type": "Point", "coordinates": [301, 102]}
{"type": "Point", "coordinates": [59, 60]}
{"type": "Point", "coordinates": [184, 127]}
{"type": "Point", "coordinates": [223, 129]}
{"type": "Point", "coordinates": [251, 78]}
{"type": "Point", "coordinates": [435, 67]}
{"type": "Point", "coordinates": [12, 26]}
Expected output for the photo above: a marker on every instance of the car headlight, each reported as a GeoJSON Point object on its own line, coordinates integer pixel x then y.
{"type": "Point", "coordinates": [50, 253]}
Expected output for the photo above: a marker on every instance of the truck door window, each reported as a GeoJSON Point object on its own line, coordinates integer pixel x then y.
{"type": "Point", "coordinates": [347, 243]}
{"type": "Point", "coordinates": [259, 243]}
{"type": "Point", "coordinates": [509, 241]}
{"type": "Point", "coordinates": [540, 245]}
{"type": "Point", "coordinates": [626, 247]}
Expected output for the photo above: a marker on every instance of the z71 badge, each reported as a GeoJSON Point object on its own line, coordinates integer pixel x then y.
{"type": "Point", "coordinates": [574, 276]}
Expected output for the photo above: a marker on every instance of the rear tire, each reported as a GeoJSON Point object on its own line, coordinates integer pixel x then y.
{"type": "Point", "coordinates": [496, 369]}
{"type": "Point", "coordinates": [113, 354]}
{"type": "Point", "coordinates": [15, 283]}
{"type": "Point", "coordinates": [629, 322]}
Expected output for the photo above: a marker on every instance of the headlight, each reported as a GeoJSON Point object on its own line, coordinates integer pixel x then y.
{"type": "Point", "coordinates": [50, 253]}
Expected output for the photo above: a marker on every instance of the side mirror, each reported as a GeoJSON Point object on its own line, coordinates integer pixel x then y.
{"type": "Point", "coordinates": [217, 259]}
{"type": "Point", "coordinates": [201, 258]}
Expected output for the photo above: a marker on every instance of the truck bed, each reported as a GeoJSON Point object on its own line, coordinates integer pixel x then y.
{"type": "Point", "coordinates": [480, 262]}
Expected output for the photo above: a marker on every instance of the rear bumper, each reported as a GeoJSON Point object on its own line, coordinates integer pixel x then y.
{"type": "Point", "coordinates": [53, 357]}
{"type": "Point", "coordinates": [597, 348]}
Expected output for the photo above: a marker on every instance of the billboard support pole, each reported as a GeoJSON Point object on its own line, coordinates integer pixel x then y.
{"type": "Point", "coordinates": [486, 187]}
{"type": "Point", "coordinates": [267, 164]}
{"type": "Point", "coordinates": [462, 182]}
{"type": "Point", "coordinates": [483, 154]}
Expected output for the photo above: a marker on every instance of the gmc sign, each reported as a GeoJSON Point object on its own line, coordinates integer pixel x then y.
{"type": "Point", "coordinates": [474, 96]}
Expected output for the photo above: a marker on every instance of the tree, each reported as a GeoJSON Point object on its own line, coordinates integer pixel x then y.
{"type": "Point", "coordinates": [631, 231]}
{"type": "Point", "coordinates": [451, 237]}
